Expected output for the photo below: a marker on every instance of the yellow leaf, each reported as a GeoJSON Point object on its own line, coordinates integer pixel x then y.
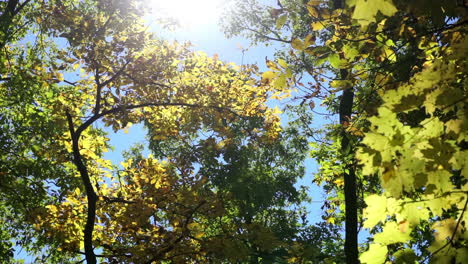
{"type": "Point", "coordinates": [297, 44]}
{"type": "Point", "coordinates": [192, 225]}
{"type": "Point", "coordinates": [199, 235]}
{"type": "Point", "coordinates": [339, 182]}
{"type": "Point", "coordinates": [445, 229]}
{"type": "Point", "coordinates": [268, 75]}
{"type": "Point", "coordinates": [126, 164]}
{"type": "Point", "coordinates": [389, 54]}
{"type": "Point", "coordinates": [52, 208]}
{"type": "Point", "coordinates": [309, 40]}
{"type": "Point", "coordinates": [404, 226]}
{"type": "Point", "coordinates": [60, 76]}
{"type": "Point", "coordinates": [355, 131]}
{"type": "Point", "coordinates": [314, 2]}
{"type": "Point", "coordinates": [316, 26]}
{"type": "Point", "coordinates": [282, 63]}
{"type": "Point", "coordinates": [276, 110]}
{"type": "Point", "coordinates": [311, 7]}
{"type": "Point", "coordinates": [388, 173]}
{"type": "Point", "coordinates": [340, 85]}
{"type": "Point", "coordinates": [271, 64]}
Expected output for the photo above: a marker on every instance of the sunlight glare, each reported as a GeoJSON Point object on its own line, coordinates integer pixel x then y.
{"type": "Point", "coordinates": [188, 13]}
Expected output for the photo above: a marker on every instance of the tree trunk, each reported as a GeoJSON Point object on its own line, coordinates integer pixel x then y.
{"type": "Point", "coordinates": [90, 193]}
{"type": "Point", "coordinates": [350, 192]}
{"type": "Point", "coordinates": [351, 219]}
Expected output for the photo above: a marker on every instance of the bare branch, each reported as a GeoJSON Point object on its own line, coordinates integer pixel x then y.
{"type": "Point", "coordinates": [117, 200]}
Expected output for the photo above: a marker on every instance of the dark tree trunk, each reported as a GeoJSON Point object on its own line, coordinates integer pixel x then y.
{"type": "Point", "coordinates": [350, 192]}
{"type": "Point", "coordinates": [351, 218]}
{"type": "Point", "coordinates": [90, 193]}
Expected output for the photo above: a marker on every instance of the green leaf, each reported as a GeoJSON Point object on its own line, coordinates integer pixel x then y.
{"type": "Point", "coordinates": [341, 85]}
{"type": "Point", "coordinates": [376, 210]}
{"type": "Point", "coordinates": [336, 62]}
{"type": "Point", "coordinates": [318, 51]}
{"type": "Point", "coordinates": [377, 254]}
{"type": "Point", "coordinates": [393, 233]}
{"type": "Point", "coordinates": [433, 128]}
{"type": "Point", "coordinates": [366, 11]}
{"type": "Point", "coordinates": [350, 52]}
{"type": "Point", "coordinates": [414, 213]}
{"type": "Point", "coordinates": [461, 255]}
{"type": "Point", "coordinates": [281, 21]}
{"type": "Point", "coordinates": [405, 256]}
{"type": "Point", "coordinates": [280, 82]}
{"type": "Point", "coordinates": [376, 141]}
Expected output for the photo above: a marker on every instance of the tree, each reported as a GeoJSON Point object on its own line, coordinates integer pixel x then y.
{"type": "Point", "coordinates": [95, 62]}
{"type": "Point", "coordinates": [219, 184]}
{"type": "Point", "coordinates": [12, 24]}
{"type": "Point", "coordinates": [299, 25]}
{"type": "Point", "coordinates": [419, 168]}
{"type": "Point", "coordinates": [389, 56]}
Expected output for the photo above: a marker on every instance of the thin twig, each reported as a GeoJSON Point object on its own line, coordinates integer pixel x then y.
{"type": "Point", "coordinates": [453, 234]}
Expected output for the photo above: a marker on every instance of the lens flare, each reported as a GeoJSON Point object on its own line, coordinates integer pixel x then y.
{"type": "Point", "coordinates": [188, 13]}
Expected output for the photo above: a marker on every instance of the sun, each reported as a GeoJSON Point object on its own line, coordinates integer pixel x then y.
{"type": "Point", "coordinates": [188, 13]}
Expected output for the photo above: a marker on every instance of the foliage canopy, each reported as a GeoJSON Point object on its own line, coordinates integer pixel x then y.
{"type": "Point", "coordinates": [220, 183]}
{"type": "Point", "coordinates": [402, 66]}
{"type": "Point", "coordinates": [72, 70]}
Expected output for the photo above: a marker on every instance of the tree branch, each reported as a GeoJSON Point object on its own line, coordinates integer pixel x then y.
{"type": "Point", "coordinates": [117, 200]}
{"type": "Point", "coordinates": [117, 109]}
{"type": "Point", "coordinates": [453, 234]}
{"type": "Point", "coordinates": [177, 240]}
{"type": "Point", "coordinates": [90, 193]}
{"type": "Point", "coordinates": [259, 34]}
{"type": "Point", "coordinates": [117, 74]}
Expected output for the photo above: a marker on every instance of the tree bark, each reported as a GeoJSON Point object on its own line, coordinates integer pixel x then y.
{"type": "Point", "coordinates": [90, 193]}
{"type": "Point", "coordinates": [350, 192]}
{"type": "Point", "coordinates": [351, 218]}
